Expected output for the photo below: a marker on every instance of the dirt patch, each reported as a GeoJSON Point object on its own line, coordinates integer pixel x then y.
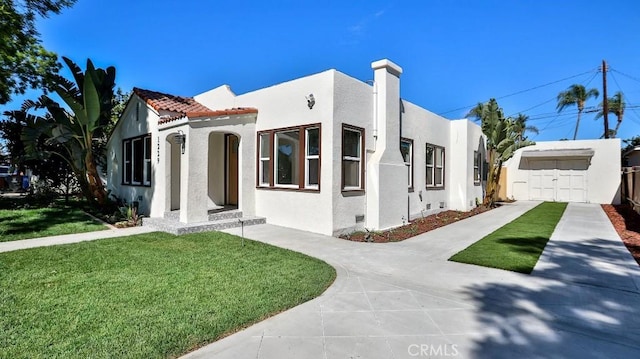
{"type": "Point", "coordinates": [413, 228]}
{"type": "Point", "coordinates": [627, 223]}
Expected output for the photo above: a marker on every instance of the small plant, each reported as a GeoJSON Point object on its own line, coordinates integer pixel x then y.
{"type": "Point", "coordinates": [129, 215]}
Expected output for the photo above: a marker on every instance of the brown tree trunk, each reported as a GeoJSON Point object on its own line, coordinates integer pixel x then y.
{"type": "Point", "coordinates": [493, 179]}
{"type": "Point", "coordinates": [84, 186]}
{"type": "Point", "coordinates": [96, 187]}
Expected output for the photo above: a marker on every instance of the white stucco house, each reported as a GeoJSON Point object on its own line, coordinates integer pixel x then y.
{"type": "Point", "coordinates": [566, 171]}
{"type": "Point", "coordinates": [325, 153]}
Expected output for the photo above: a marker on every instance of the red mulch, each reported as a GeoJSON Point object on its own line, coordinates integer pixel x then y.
{"type": "Point", "coordinates": [415, 227]}
{"type": "Point", "coordinates": [627, 223]}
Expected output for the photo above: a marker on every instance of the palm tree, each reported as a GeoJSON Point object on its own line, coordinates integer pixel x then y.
{"type": "Point", "coordinates": [575, 95]}
{"type": "Point", "coordinates": [520, 127]}
{"type": "Point", "coordinates": [616, 106]}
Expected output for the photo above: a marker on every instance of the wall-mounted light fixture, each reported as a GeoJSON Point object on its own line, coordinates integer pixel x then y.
{"type": "Point", "coordinates": [310, 101]}
{"type": "Point", "coordinates": [181, 139]}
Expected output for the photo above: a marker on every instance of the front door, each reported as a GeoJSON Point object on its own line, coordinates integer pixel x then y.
{"type": "Point", "coordinates": [232, 170]}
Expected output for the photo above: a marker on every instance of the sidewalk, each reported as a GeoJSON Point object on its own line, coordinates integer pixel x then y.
{"type": "Point", "coordinates": [405, 300]}
{"type": "Point", "coordinates": [71, 238]}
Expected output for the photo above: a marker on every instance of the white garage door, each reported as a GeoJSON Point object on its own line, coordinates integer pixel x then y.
{"type": "Point", "coordinates": [563, 180]}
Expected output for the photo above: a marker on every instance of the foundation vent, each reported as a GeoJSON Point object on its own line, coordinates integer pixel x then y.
{"type": "Point", "coordinates": [443, 204]}
{"type": "Point", "coordinates": [360, 218]}
{"type": "Point", "coordinates": [428, 206]}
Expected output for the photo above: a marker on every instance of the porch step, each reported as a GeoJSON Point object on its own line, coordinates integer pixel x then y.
{"type": "Point", "coordinates": [175, 227]}
{"type": "Point", "coordinates": [214, 215]}
{"type": "Point", "coordinates": [218, 216]}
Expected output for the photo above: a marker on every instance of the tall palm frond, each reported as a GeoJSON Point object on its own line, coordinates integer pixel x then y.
{"type": "Point", "coordinates": [575, 95]}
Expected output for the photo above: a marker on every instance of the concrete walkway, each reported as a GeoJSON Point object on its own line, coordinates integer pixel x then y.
{"type": "Point", "coordinates": [405, 300]}
{"type": "Point", "coordinates": [71, 238]}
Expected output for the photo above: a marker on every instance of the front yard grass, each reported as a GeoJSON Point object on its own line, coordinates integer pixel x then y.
{"type": "Point", "coordinates": [146, 296]}
{"type": "Point", "coordinates": [517, 245]}
{"type": "Point", "coordinates": [16, 224]}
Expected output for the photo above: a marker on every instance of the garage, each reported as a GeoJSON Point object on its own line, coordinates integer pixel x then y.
{"type": "Point", "coordinates": [557, 175]}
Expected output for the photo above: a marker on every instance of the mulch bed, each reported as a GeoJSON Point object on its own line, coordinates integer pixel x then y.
{"type": "Point", "coordinates": [413, 228]}
{"type": "Point", "coordinates": [626, 221]}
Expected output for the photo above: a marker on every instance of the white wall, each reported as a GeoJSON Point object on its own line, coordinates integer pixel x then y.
{"type": "Point", "coordinates": [137, 119]}
{"type": "Point", "coordinates": [466, 139]}
{"type": "Point", "coordinates": [603, 174]}
{"type": "Point", "coordinates": [285, 105]}
{"type": "Point", "coordinates": [353, 105]}
{"type": "Point", "coordinates": [425, 127]}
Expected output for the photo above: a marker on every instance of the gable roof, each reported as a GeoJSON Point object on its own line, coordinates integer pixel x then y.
{"type": "Point", "coordinates": [184, 106]}
{"type": "Point", "coordinates": [162, 101]}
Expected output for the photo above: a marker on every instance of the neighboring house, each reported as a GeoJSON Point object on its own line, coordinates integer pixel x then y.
{"type": "Point", "coordinates": [566, 171]}
{"type": "Point", "coordinates": [325, 153]}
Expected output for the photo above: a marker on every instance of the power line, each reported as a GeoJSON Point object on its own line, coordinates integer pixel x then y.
{"type": "Point", "coordinates": [623, 74]}
{"type": "Point", "coordinates": [522, 91]}
{"type": "Point", "coordinates": [554, 98]}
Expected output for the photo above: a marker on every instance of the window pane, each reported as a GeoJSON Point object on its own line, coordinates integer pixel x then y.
{"type": "Point", "coordinates": [264, 176]}
{"type": "Point", "coordinates": [287, 144]}
{"type": "Point", "coordinates": [138, 160]}
{"type": "Point", "coordinates": [429, 155]}
{"type": "Point", "coordinates": [351, 170]}
{"type": "Point", "coordinates": [351, 143]}
{"type": "Point", "coordinates": [313, 171]}
{"type": "Point", "coordinates": [313, 141]}
{"type": "Point", "coordinates": [405, 149]}
{"type": "Point", "coordinates": [476, 174]}
{"type": "Point", "coordinates": [429, 176]}
{"type": "Point", "coordinates": [147, 148]}
{"type": "Point", "coordinates": [439, 156]}
{"type": "Point", "coordinates": [264, 145]}
{"type": "Point", "coordinates": [127, 162]}
{"type": "Point", "coordinates": [438, 176]}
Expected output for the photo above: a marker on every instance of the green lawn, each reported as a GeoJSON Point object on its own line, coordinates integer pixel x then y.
{"type": "Point", "coordinates": [18, 224]}
{"type": "Point", "coordinates": [147, 296]}
{"type": "Point", "coordinates": [517, 245]}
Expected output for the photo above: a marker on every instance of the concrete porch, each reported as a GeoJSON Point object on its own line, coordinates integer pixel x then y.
{"type": "Point", "coordinates": [218, 219]}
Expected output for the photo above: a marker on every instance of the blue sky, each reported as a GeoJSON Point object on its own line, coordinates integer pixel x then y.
{"type": "Point", "coordinates": [454, 53]}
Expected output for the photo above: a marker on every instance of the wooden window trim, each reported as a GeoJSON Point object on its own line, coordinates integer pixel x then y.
{"type": "Point", "coordinates": [307, 157]}
{"type": "Point", "coordinates": [477, 164]}
{"type": "Point", "coordinates": [411, 165]}
{"type": "Point", "coordinates": [302, 133]}
{"type": "Point", "coordinates": [361, 188]}
{"type": "Point", "coordinates": [435, 187]}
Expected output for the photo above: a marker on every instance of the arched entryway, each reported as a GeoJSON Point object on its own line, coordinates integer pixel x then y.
{"type": "Point", "coordinates": [173, 163]}
{"type": "Point", "coordinates": [223, 170]}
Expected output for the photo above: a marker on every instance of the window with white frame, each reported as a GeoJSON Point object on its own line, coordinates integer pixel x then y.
{"type": "Point", "coordinates": [435, 166]}
{"type": "Point", "coordinates": [312, 158]}
{"type": "Point", "coordinates": [137, 161]}
{"type": "Point", "coordinates": [406, 149]}
{"type": "Point", "coordinates": [352, 157]}
{"type": "Point", "coordinates": [264, 167]}
{"type": "Point", "coordinates": [292, 161]}
{"type": "Point", "coordinates": [477, 167]}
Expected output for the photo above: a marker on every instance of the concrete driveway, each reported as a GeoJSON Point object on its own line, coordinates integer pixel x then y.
{"type": "Point", "coordinates": [405, 300]}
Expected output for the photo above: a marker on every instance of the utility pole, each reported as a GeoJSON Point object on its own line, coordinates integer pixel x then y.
{"type": "Point", "coordinates": [605, 102]}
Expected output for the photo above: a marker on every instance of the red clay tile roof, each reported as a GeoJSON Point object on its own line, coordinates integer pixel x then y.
{"type": "Point", "coordinates": [185, 106]}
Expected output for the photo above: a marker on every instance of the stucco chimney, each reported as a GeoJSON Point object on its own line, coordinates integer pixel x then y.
{"type": "Point", "coordinates": [387, 112]}
{"type": "Point", "coordinates": [386, 188]}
